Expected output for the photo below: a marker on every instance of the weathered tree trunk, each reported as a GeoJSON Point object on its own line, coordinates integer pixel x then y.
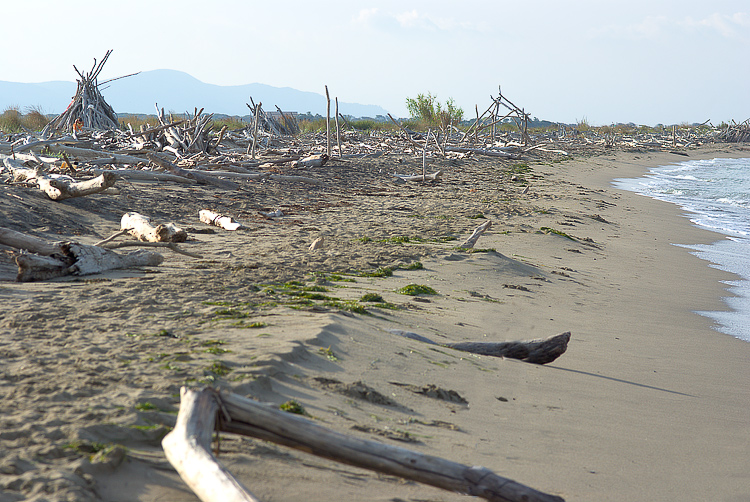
{"type": "Point", "coordinates": [80, 259]}
{"type": "Point", "coordinates": [188, 449]}
{"type": "Point", "coordinates": [537, 351]}
{"type": "Point", "coordinates": [141, 228]}
{"type": "Point", "coordinates": [30, 243]}
{"type": "Point", "coordinates": [63, 187]}
{"type": "Point", "coordinates": [68, 258]}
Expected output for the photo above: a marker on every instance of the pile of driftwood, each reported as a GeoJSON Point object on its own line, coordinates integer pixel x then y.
{"type": "Point", "coordinates": [88, 108]}
{"type": "Point", "coordinates": [736, 133]}
{"type": "Point", "coordinates": [180, 137]}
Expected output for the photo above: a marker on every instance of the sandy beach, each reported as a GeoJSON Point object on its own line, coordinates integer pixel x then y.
{"type": "Point", "coordinates": [648, 403]}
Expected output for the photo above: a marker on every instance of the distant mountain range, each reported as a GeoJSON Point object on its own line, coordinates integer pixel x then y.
{"type": "Point", "coordinates": [177, 92]}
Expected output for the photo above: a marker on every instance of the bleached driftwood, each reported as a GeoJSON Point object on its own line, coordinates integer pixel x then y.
{"type": "Point", "coordinates": [260, 176]}
{"type": "Point", "coordinates": [537, 351]}
{"type": "Point", "coordinates": [61, 187]}
{"type": "Point", "coordinates": [469, 243]}
{"type": "Point", "coordinates": [200, 177]}
{"type": "Point", "coordinates": [30, 243]}
{"type": "Point", "coordinates": [171, 245]}
{"type": "Point", "coordinates": [317, 160]}
{"type": "Point", "coordinates": [142, 229]}
{"type": "Point", "coordinates": [109, 157]}
{"type": "Point", "coordinates": [489, 153]}
{"type": "Point", "coordinates": [187, 449]}
{"type": "Point", "coordinates": [68, 258]}
{"type": "Point", "coordinates": [211, 218]}
{"type": "Point", "coordinates": [317, 244]}
{"type": "Point", "coordinates": [421, 177]}
{"type": "Point", "coordinates": [19, 171]}
{"type": "Point", "coordinates": [137, 174]}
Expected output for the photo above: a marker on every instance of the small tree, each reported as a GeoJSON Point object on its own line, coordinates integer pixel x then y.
{"type": "Point", "coordinates": [428, 109]}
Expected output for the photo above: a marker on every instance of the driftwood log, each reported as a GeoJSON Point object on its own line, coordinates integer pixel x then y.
{"type": "Point", "coordinates": [61, 187]}
{"type": "Point", "coordinates": [40, 260]}
{"type": "Point", "coordinates": [318, 160]}
{"type": "Point", "coordinates": [421, 177]}
{"type": "Point", "coordinates": [142, 229]}
{"type": "Point", "coordinates": [188, 449]}
{"type": "Point", "coordinates": [537, 351]}
{"type": "Point", "coordinates": [219, 220]}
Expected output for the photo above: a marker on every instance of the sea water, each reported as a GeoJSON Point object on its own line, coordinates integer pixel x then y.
{"type": "Point", "coordinates": [716, 194]}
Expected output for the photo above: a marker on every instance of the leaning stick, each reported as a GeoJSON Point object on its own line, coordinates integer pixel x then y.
{"type": "Point", "coordinates": [469, 243]}
{"type": "Point", "coordinates": [408, 136]}
{"type": "Point", "coordinates": [338, 133]}
{"type": "Point", "coordinates": [113, 236]}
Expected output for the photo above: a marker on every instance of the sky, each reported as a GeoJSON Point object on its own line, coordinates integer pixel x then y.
{"type": "Point", "coordinates": [602, 62]}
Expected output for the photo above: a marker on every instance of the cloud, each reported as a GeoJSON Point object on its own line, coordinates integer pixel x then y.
{"type": "Point", "coordinates": [412, 21]}
{"type": "Point", "coordinates": [726, 25]}
{"type": "Point", "coordinates": [733, 26]}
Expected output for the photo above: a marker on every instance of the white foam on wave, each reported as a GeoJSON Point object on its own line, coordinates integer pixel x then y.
{"type": "Point", "coordinates": [717, 194]}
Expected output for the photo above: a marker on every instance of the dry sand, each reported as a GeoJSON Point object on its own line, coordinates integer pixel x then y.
{"type": "Point", "coordinates": [649, 402]}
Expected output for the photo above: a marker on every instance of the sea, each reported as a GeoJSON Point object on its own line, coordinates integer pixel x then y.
{"type": "Point", "coordinates": [715, 195]}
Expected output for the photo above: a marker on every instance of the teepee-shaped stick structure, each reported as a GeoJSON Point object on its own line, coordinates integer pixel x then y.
{"type": "Point", "coordinates": [88, 108]}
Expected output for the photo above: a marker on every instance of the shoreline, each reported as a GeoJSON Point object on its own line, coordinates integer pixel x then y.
{"type": "Point", "coordinates": [649, 402]}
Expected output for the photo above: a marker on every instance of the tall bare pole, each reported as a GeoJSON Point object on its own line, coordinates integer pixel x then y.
{"type": "Point", "coordinates": [328, 123]}
{"type": "Point", "coordinates": [338, 134]}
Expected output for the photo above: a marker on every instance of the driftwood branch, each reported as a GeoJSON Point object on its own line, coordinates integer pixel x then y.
{"type": "Point", "coordinates": [187, 449]}
{"type": "Point", "coordinates": [469, 243]}
{"type": "Point", "coordinates": [170, 245]}
{"type": "Point", "coordinates": [537, 351]}
{"type": "Point", "coordinates": [194, 175]}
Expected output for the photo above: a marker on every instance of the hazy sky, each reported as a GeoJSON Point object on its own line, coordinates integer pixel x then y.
{"type": "Point", "coordinates": [603, 61]}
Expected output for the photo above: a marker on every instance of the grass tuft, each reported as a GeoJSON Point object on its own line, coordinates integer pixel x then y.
{"type": "Point", "coordinates": [416, 289]}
